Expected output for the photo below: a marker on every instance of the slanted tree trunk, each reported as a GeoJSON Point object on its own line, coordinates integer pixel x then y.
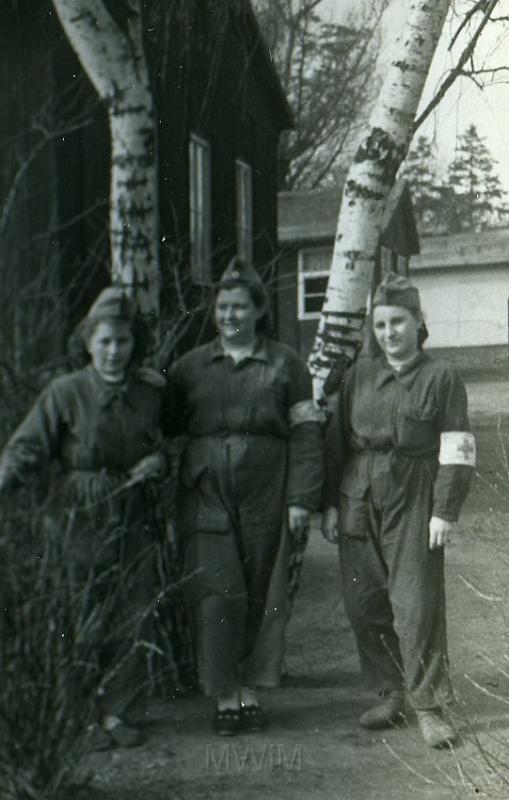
{"type": "Point", "coordinates": [115, 63]}
{"type": "Point", "coordinates": [368, 182]}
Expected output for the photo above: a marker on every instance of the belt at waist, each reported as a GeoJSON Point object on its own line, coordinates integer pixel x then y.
{"type": "Point", "coordinates": [235, 435]}
{"type": "Point", "coordinates": [367, 450]}
{"type": "Point", "coordinates": [432, 453]}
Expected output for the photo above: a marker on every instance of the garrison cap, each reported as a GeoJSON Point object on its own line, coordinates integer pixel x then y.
{"type": "Point", "coordinates": [396, 290]}
{"type": "Point", "coordinates": [112, 303]}
{"type": "Point", "coordinates": [238, 272]}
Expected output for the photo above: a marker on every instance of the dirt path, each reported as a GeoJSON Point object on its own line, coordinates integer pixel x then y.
{"type": "Point", "coordinates": [315, 747]}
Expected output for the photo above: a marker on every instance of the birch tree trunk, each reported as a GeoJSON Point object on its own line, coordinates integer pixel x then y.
{"type": "Point", "coordinates": [115, 63]}
{"type": "Point", "coordinates": [368, 182]}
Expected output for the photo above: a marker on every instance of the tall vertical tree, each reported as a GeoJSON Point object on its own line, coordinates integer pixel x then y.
{"type": "Point", "coordinates": [473, 194]}
{"type": "Point", "coordinates": [367, 185]}
{"type": "Point", "coordinates": [111, 51]}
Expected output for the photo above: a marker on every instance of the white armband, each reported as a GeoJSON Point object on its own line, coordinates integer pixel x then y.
{"type": "Point", "coordinates": [305, 411]}
{"type": "Point", "coordinates": [457, 447]}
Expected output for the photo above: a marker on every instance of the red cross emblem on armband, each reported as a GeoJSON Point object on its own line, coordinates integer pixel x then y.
{"type": "Point", "coordinates": [466, 448]}
{"type": "Point", "coordinates": [457, 447]}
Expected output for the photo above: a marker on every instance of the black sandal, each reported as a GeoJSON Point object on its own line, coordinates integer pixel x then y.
{"type": "Point", "coordinates": [253, 718]}
{"type": "Point", "coordinates": [226, 721]}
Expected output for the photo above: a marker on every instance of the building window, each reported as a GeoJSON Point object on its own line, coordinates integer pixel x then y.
{"type": "Point", "coordinates": [244, 188]}
{"type": "Point", "coordinates": [200, 210]}
{"type": "Point", "coordinates": [314, 268]}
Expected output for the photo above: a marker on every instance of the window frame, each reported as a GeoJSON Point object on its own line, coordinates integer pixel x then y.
{"type": "Point", "coordinates": [200, 210]}
{"type": "Point", "coordinates": [302, 274]}
{"type": "Point", "coordinates": [244, 210]}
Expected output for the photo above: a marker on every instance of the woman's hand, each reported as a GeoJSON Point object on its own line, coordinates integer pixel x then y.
{"type": "Point", "coordinates": [330, 524]}
{"type": "Point", "coordinates": [298, 519]}
{"type": "Point", "coordinates": [153, 466]}
{"type": "Point", "coordinates": [438, 530]}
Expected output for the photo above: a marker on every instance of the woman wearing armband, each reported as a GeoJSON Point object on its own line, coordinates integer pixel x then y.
{"type": "Point", "coordinates": [399, 460]}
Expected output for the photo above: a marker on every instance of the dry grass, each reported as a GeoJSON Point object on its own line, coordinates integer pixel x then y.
{"type": "Point", "coordinates": [51, 629]}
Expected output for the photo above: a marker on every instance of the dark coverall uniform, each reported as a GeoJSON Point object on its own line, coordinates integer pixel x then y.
{"type": "Point", "coordinates": [254, 447]}
{"type": "Point", "coordinates": [383, 473]}
{"type": "Point", "coordinates": [96, 432]}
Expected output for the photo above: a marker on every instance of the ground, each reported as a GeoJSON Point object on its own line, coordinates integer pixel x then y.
{"type": "Point", "coordinates": [314, 747]}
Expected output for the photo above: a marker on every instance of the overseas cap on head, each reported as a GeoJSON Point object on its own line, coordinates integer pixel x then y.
{"type": "Point", "coordinates": [239, 272]}
{"type": "Point", "coordinates": [112, 303]}
{"type": "Point", "coordinates": [395, 290]}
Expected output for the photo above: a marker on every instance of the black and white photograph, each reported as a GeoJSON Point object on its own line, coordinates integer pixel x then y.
{"type": "Point", "coordinates": [254, 445]}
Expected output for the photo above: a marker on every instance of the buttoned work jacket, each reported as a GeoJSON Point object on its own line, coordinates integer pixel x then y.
{"type": "Point", "coordinates": [402, 415]}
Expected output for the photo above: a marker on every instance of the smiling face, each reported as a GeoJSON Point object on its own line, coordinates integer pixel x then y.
{"type": "Point", "coordinates": [236, 316]}
{"type": "Point", "coordinates": [110, 346]}
{"type": "Point", "coordinates": [396, 329]}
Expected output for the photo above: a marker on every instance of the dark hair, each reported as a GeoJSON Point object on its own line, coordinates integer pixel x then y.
{"type": "Point", "coordinates": [77, 345]}
{"type": "Point", "coordinates": [259, 297]}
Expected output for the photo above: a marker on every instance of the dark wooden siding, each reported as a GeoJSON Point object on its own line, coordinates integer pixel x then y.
{"type": "Point", "coordinates": [212, 85]}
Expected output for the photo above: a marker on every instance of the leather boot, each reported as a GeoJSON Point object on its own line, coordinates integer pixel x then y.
{"type": "Point", "coordinates": [386, 713]}
{"type": "Point", "coordinates": [436, 731]}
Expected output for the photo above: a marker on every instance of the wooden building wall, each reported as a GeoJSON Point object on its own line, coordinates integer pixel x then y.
{"type": "Point", "coordinates": [219, 89]}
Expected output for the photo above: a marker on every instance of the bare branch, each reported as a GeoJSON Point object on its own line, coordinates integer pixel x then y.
{"type": "Point", "coordinates": [479, 6]}
{"type": "Point", "coordinates": [458, 70]}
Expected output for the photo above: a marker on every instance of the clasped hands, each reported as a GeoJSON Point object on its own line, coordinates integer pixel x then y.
{"type": "Point", "coordinates": [438, 528]}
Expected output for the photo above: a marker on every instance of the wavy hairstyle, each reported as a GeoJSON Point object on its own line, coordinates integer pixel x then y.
{"type": "Point", "coordinates": [77, 351]}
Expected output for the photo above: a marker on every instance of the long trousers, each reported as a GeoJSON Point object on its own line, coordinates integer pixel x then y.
{"type": "Point", "coordinates": [394, 588]}
{"type": "Point", "coordinates": [231, 516]}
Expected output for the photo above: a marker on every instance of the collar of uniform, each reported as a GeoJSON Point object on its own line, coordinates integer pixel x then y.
{"type": "Point", "coordinates": [259, 353]}
{"type": "Point", "coordinates": [406, 375]}
{"type": "Point", "coordinates": [106, 392]}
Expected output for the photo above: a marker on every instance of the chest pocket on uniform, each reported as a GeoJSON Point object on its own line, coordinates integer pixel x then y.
{"type": "Point", "coordinates": [417, 427]}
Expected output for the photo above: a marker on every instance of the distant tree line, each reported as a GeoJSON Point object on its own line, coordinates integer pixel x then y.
{"type": "Point", "coordinates": [468, 197]}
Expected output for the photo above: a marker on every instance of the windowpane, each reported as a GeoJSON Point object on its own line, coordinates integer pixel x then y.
{"type": "Point", "coordinates": [313, 303]}
{"type": "Point", "coordinates": [314, 266]}
{"type": "Point", "coordinates": [316, 285]}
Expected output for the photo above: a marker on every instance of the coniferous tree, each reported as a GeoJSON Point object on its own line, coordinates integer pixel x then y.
{"type": "Point", "coordinates": [473, 197]}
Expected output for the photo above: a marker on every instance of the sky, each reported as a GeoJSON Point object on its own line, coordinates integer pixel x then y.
{"type": "Point", "coordinates": [464, 104]}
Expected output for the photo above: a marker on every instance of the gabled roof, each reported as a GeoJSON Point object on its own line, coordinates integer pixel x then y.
{"type": "Point", "coordinates": [313, 215]}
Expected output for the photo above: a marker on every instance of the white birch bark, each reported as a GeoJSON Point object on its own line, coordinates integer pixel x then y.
{"type": "Point", "coordinates": [115, 64]}
{"type": "Point", "coordinates": [368, 182]}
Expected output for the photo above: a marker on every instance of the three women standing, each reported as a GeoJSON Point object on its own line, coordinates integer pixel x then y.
{"type": "Point", "coordinates": [252, 465]}
{"type": "Point", "coordinates": [399, 459]}
{"type": "Point", "coordinates": [399, 463]}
